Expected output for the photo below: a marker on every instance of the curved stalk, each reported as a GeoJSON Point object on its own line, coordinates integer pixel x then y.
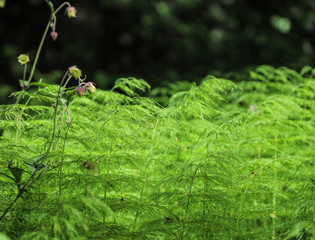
{"type": "Point", "coordinates": [52, 17]}
{"type": "Point", "coordinates": [33, 177]}
{"type": "Point", "coordinates": [38, 51]}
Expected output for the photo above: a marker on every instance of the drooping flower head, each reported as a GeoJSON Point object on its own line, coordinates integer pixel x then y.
{"type": "Point", "coordinates": [75, 72]}
{"type": "Point", "coordinates": [71, 12]}
{"type": "Point", "coordinates": [23, 59]}
{"type": "Point", "coordinates": [54, 35]}
{"type": "Point", "coordinates": [80, 91]}
{"type": "Point", "coordinates": [90, 88]}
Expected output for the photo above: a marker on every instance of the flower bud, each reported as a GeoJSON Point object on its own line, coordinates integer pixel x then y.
{"type": "Point", "coordinates": [90, 88]}
{"type": "Point", "coordinates": [54, 35]}
{"type": "Point", "coordinates": [75, 72]}
{"type": "Point", "coordinates": [80, 91]}
{"type": "Point", "coordinates": [68, 121]}
{"type": "Point", "coordinates": [23, 59]}
{"type": "Point", "coordinates": [71, 12]}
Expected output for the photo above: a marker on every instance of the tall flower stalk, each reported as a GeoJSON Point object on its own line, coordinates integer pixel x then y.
{"type": "Point", "coordinates": [41, 164]}
{"type": "Point", "coordinates": [71, 12]}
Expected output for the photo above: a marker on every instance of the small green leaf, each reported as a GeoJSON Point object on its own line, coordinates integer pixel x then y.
{"type": "Point", "coordinates": [16, 171]}
{"type": "Point", "coordinates": [51, 5]}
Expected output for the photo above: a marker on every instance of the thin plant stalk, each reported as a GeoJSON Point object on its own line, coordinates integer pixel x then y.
{"type": "Point", "coordinates": [40, 49]}
{"type": "Point", "coordinates": [24, 75]}
{"type": "Point", "coordinates": [204, 204]}
{"type": "Point", "coordinates": [144, 180]}
{"type": "Point", "coordinates": [107, 173]}
{"type": "Point", "coordinates": [36, 59]}
{"type": "Point", "coordinates": [62, 161]}
{"type": "Point", "coordinates": [138, 206]}
{"type": "Point", "coordinates": [33, 177]}
{"type": "Point", "coordinates": [55, 110]}
{"type": "Point", "coordinates": [274, 195]}
{"type": "Point", "coordinates": [188, 203]}
{"type": "Point", "coordinates": [43, 39]}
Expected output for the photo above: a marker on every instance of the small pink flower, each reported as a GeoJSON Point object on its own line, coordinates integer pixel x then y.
{"type": "Point", "coordinates": [71, 12]}
{"type": "Point", "coordinates": [54, 35]}
{"type": "Point", "coordinates": [80, 91]}
{"type": "Point", "coordinates": [68, 121]}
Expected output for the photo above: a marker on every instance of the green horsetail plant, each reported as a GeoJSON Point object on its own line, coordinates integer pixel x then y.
{"type": "Point", "coordinates": [278, 140]}
{"type": "Point", "coordinates": [219, 159]}
{"type": "Point", "coordinates": [218, 162]}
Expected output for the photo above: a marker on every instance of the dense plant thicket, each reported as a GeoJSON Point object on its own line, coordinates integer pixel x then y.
{"type": "Point", "coordinates": [219, 160]}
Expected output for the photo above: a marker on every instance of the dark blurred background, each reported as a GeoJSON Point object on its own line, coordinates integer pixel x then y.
{"type": "Point", "coordinates": [161, 41]}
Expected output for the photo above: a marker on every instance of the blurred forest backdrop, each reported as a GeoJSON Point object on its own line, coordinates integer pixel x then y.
{"type": "Point", "coordinates": [160, 41]}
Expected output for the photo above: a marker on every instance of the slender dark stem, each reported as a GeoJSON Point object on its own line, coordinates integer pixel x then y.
{"type": "Point", "coordinates": [33, 177]}
{"type": "Point", "coordinates": [52, 17]}
{"type": "Point", "coordinates": [62, 162]}
{"type": "Point", "coordinates": [36, 59]}
{"type": "Point", "coordinates": [55, 110]}
{"type": "Point", "coordinates": [11, 205]}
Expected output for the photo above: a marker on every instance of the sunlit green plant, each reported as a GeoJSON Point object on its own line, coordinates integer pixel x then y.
{"type": "Point", "coordinates": [220, 159]}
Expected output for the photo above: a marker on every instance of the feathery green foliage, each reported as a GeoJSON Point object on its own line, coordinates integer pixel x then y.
{"type": "Point", "coordinates": [222, 160]}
